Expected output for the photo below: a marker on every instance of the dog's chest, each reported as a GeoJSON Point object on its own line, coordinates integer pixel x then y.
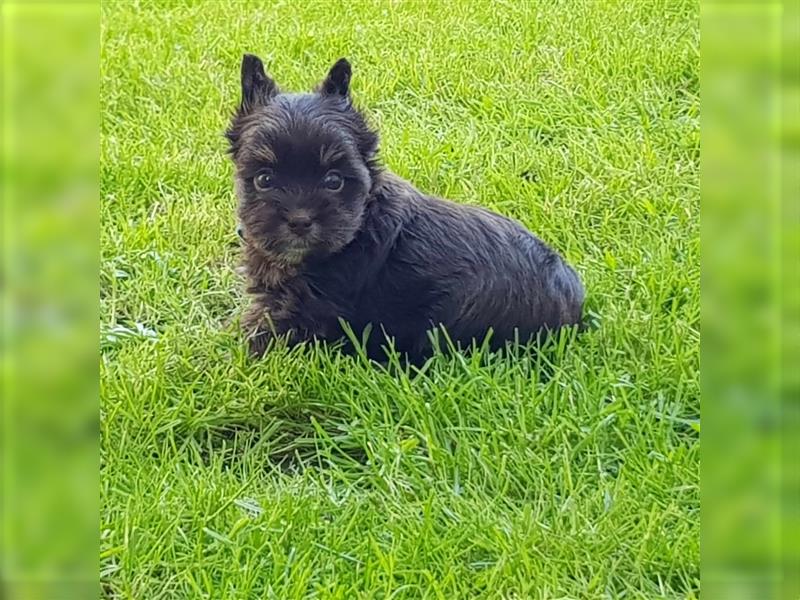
{"type": "Point", "coordinates": [365, 292]}
{"type": "Point", "coordinates": [338, 289]}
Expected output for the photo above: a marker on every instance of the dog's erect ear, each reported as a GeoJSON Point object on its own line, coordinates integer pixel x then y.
{"type": "Point", "coordinates": [257, 88]}
{"type": "Point", "coordinates": [337, 83]}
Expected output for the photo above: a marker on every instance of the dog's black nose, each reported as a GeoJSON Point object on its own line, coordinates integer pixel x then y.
{"type": "Point", "coordinates": [300, 224]}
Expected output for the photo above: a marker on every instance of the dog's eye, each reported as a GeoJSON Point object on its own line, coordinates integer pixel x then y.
{"type": "Point", "coordinates": [263, 181]}
{"type": "Point", "coordinates": [333, 181]}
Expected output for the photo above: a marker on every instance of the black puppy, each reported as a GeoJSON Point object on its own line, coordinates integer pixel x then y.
{"type": "Point", "coordinates": [329, 234]}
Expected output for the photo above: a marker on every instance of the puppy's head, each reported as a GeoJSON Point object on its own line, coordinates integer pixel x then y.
{"type": "Point", "coordinates": [305, 164]}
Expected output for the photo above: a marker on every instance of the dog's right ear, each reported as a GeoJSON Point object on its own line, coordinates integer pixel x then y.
{"type": "Point", "coordinates": [337, 83]}
{"type": "Point", "coordinates": [257, 88]}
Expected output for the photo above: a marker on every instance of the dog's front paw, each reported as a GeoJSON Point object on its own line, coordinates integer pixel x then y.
{"type": "Point", "coordinates": [258, 342]}
{"type": "Point", "coordinates": [261, 340]}
{"type": "Point", "coordinates": [258, 330]}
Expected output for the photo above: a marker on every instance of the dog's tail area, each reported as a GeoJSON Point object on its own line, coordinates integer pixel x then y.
{"type": "Point", "coordinates": [568, 293]}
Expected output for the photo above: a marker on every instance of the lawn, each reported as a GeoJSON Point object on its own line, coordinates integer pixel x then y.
{"type": "Point", "coordinates": [566, 473]}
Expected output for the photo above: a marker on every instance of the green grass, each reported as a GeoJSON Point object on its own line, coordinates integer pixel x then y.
{"type": "Point", "coordinates": [567, 474]}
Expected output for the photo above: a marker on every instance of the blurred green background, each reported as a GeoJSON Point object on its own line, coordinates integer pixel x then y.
{"type": "Point", "coordinates": [750, 489]}
{"type": "Point", "coordinates": [49, 279]}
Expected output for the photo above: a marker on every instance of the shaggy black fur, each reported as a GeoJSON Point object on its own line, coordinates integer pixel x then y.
{"type": "Point", "coordinates": [329, 234]}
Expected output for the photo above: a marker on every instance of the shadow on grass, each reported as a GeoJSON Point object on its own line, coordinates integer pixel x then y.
{"type": "Point", "coordinates": [322, 407]}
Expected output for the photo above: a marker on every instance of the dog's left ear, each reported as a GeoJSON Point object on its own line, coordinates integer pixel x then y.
{"type": "Point", "coordinates": [257, 87]}
{"type": "Point", "coordinates": [337, 83]}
